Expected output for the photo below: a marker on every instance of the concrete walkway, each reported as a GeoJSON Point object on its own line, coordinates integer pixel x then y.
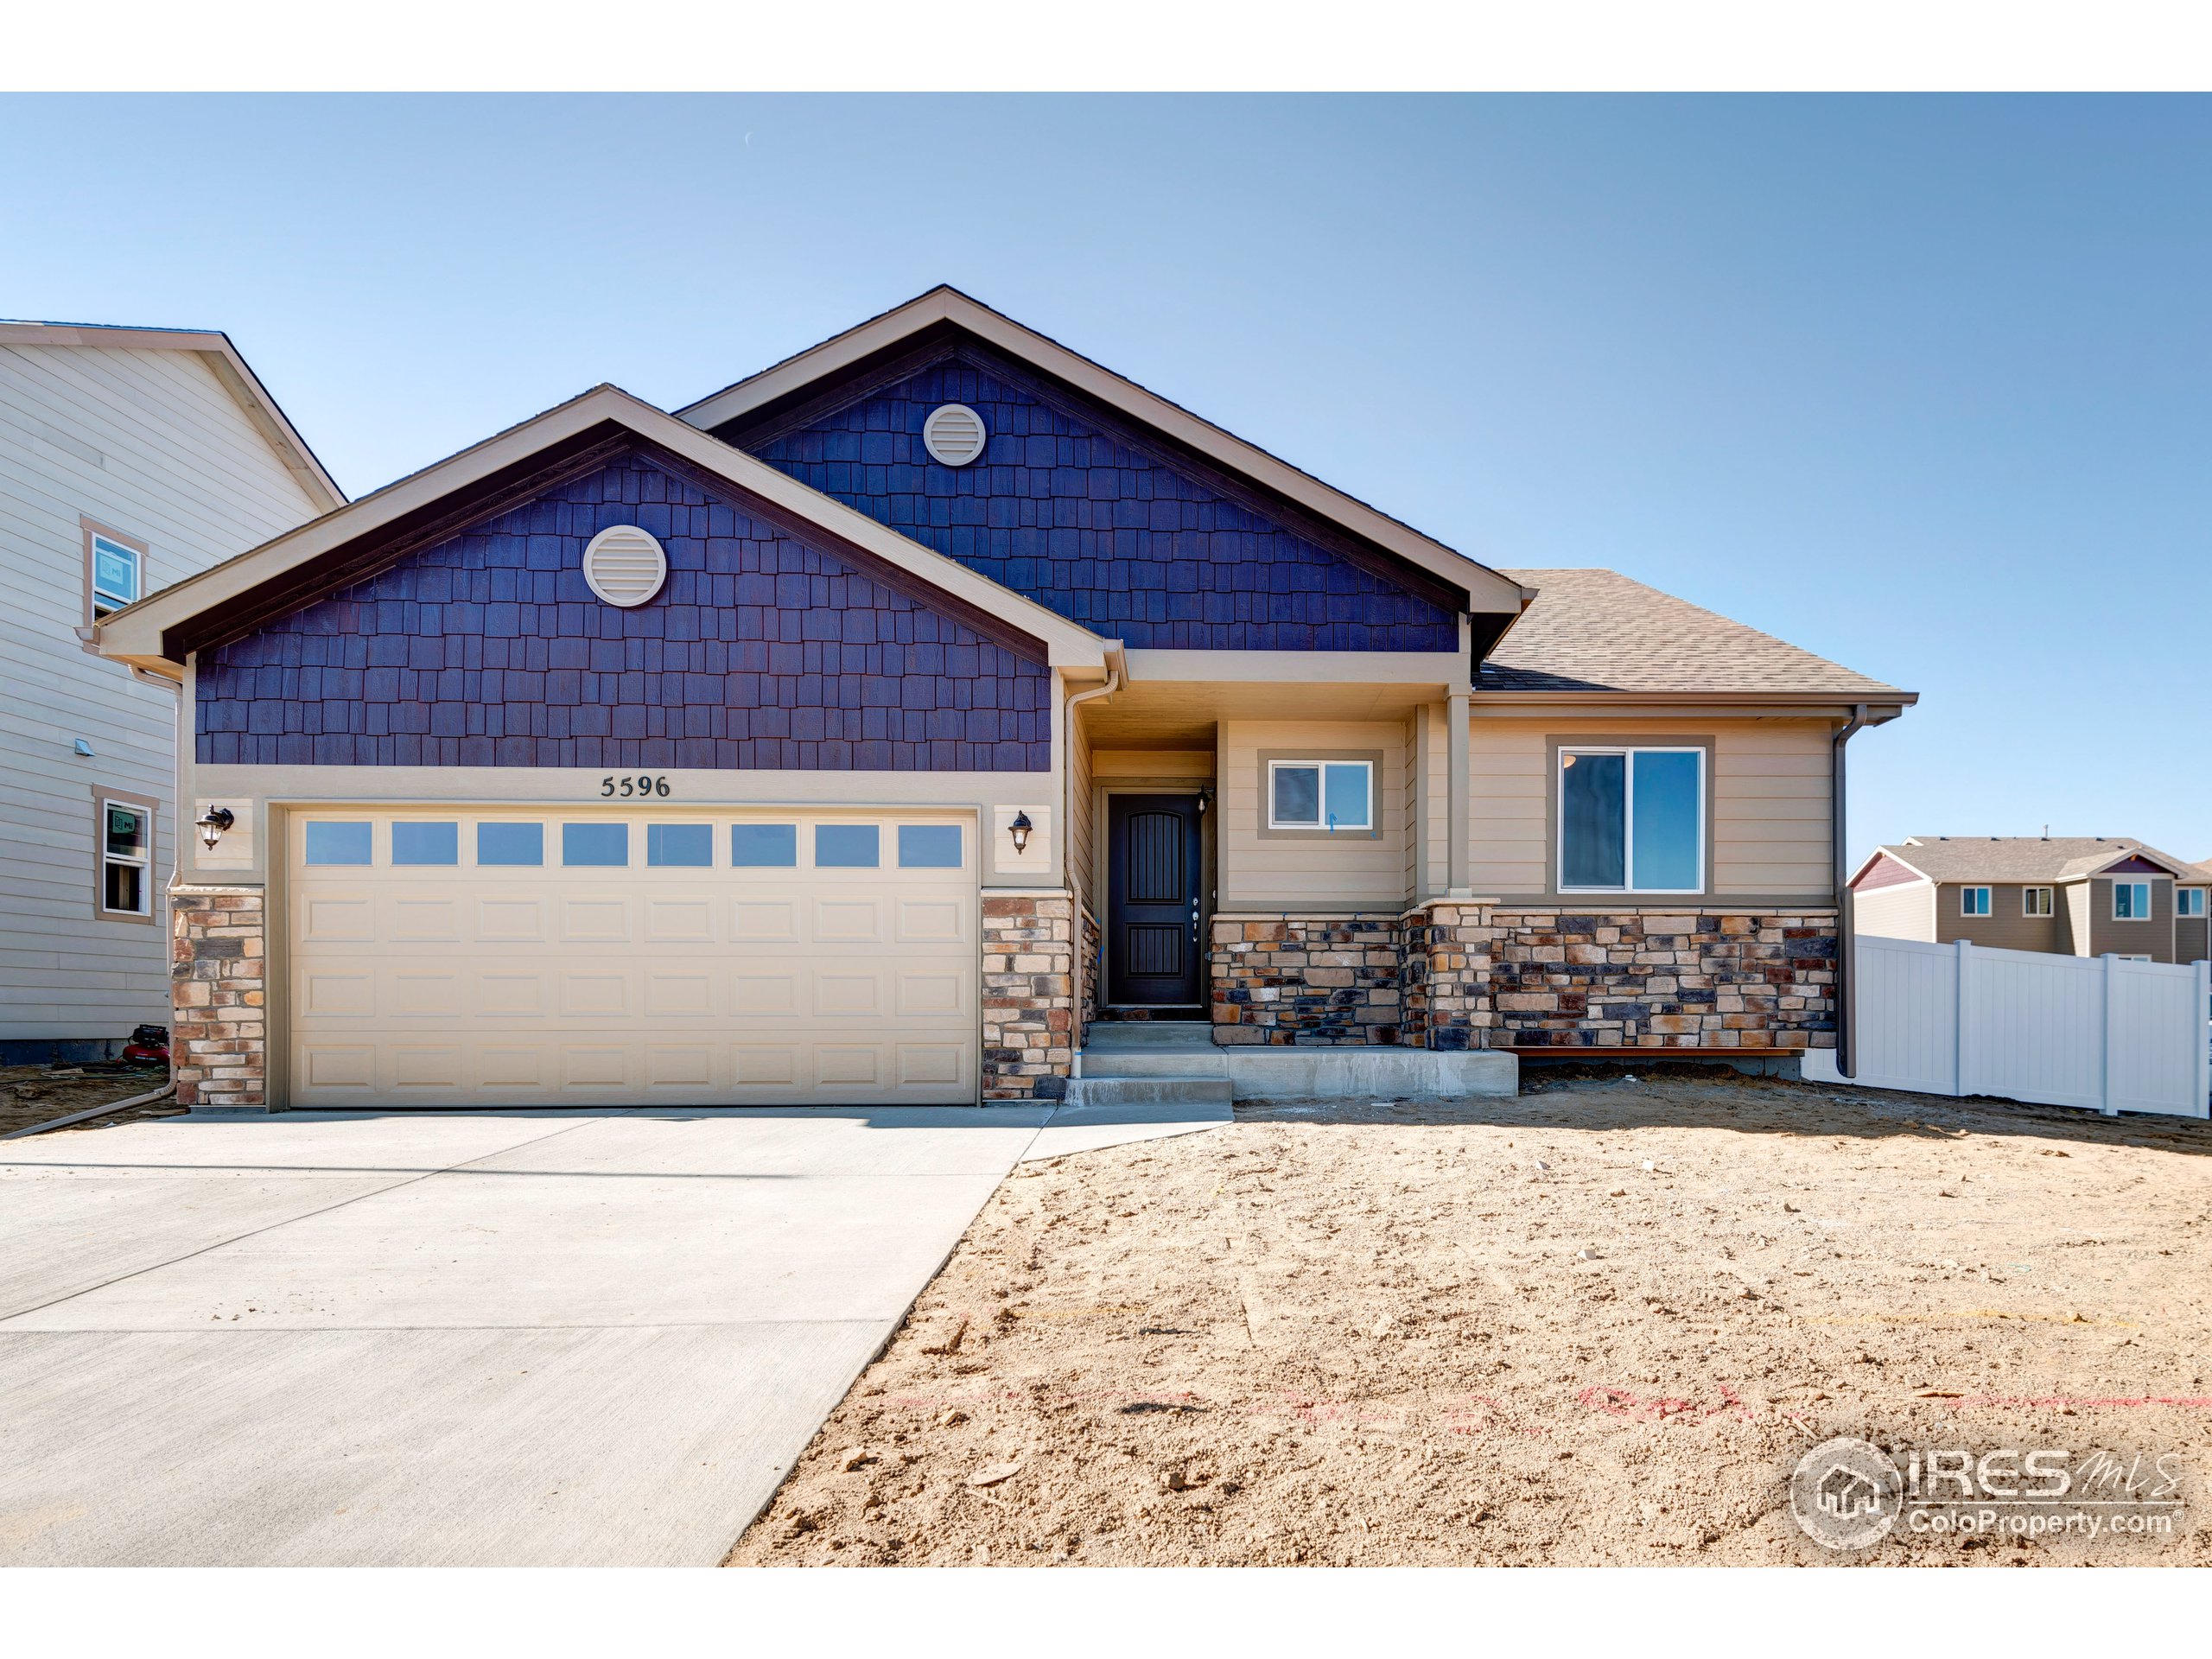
{"type": "Point", "coordinates": [464, 1338]}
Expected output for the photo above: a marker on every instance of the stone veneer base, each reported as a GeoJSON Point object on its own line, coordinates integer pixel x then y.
{"type": "Point", "coordinates": [219, 994]}
{"type": "Point", "coordinates": [1029, 1008]}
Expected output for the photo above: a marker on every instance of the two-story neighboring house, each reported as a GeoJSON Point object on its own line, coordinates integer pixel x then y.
{"type": "Point", "coordinates": [873, 728]}
{"type": "Point", "coordinates": [2073, 895]}
{"type": "Point", "coordinates": [129, 458]}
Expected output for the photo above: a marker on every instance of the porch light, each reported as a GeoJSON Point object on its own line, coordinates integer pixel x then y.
{"type": "Point", "coordinates": [1019, 829]}
{"type": "Point", "coordinates": [212, 823]}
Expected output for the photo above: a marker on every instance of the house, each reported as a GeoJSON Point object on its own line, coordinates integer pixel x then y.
{"type": "Point", "coordinates": [872, 728]}
{"type": "Point", "coordinates": [129, 458]}
{"type": "Point", "coordinates": [2072, 895]}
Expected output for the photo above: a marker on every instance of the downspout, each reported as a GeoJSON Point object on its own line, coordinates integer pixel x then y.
{"type": "Point", "coordinates": [1115, 661]}
{"type": "Point", "coordinates": [1847, 954]}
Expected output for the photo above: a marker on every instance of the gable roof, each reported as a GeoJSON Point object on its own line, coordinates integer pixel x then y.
{"type": "Point", "coordinates": [222, 359]}
{"type": "Point", "coordinates": [2022, 858]}
{"type": "Point", "coordinates": [1598, 631]}
{"type": "Point", "coordinates": [230, 598]}
{"type": "Point", "coordinates": [886, 342]}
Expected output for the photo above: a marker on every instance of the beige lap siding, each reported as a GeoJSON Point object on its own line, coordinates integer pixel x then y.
{"type": "Point", "coordinates": [1906, 911]}
{"type": "Point", "coordinates": [1352, 869]}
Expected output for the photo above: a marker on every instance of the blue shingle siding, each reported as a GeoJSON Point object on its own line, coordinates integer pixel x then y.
{"type": "Point", "coordinates": [1107, 536]}
{"type": "Point", "coordinates": [489, 649]}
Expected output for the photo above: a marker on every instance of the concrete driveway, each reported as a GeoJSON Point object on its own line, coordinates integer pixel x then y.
{"type": "Point", "coordinates": [512, 1338]}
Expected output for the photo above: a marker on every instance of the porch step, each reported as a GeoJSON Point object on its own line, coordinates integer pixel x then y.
{"type": "Point", "coordinates": [1350, 1072]}
{"type": "Point", "coordinates": [1150, 1036]}
{"type": "Point", "coordinates": [1148, 1091]}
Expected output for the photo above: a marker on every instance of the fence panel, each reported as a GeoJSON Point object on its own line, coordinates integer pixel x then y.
{"type": "Point", "coordinates": [1908, 996]}
{"type": "Point", "coordinates": [2033, 1027]}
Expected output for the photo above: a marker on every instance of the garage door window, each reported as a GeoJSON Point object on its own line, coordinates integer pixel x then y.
{"type": "Point", "coordinates": [338, 843]}
{"type": "Point", "coordinates": [510, 843]}
{"type": "Point", "coordinates": [847, 847]}
{"type": "Point", "coordinates": [425, 844]}
{"type": "Point", "coordinates": [680, 846]}
{"type": "Point", "coordinates": [928, 845]}
{"type": "Point", "coordinates": [595, 845]}
{"type": "Point", "coordinates": [764, 846]}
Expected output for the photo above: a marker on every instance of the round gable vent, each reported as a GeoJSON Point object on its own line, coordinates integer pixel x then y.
{"type": "Point", "coordinates": [625, 565]}
{"type": "Point", "coordinates": [954, 435]}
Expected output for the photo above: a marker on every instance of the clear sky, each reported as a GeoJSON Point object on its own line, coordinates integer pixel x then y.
{"type": "Point", "coordinates": [1924, 385]}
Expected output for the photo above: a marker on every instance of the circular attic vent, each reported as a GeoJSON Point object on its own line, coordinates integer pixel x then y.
{"type": "Point", "coordinates": [625, 565]}
{"type": "Point", "coordinates": [954, 435]}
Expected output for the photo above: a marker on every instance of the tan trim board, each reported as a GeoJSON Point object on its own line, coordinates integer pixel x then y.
{"type": "Point", "coordinates": [1440, 669]}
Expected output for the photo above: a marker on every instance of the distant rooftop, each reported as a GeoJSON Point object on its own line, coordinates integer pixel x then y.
{"type": "Point", "coordinates": [2025, 858]}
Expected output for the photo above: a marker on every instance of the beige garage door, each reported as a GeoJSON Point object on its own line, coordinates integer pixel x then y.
{"type": "Point", "coordinates": [586, 957]}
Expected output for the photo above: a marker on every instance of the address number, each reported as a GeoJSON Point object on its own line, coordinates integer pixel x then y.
{"type": "Point", "coordinates": [639, 784]}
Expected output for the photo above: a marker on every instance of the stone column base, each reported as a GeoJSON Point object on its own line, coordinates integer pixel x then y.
{"type": "Point", "coordinates": [218, 991]}
{"type": "Point", "coordinates": [1029, 1014]}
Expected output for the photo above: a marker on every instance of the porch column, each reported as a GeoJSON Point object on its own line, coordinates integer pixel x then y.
{"type": "Point", "coordinates": [1462, 771]}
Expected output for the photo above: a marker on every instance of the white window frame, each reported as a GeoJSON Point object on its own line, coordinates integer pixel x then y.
{"type": "Point", "coordinates": [103, 800]}
{"type": "Point", "coordinates": [1628, 811]}
{"type": "Point", "coordinates": [2195, 895]}
{"type": "Point", "coordinates": [1320, 820]}
{"type": "Point", "coordinates": [2149, 904]}
{"type": "Point", "coordinates": [103, 599]}
{"type": "Point", "coordinates": [1966, 893]}
{"type": "Point", "coordinates": [2028, 902]}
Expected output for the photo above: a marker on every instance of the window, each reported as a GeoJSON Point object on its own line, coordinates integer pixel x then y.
{"type": "Point", "coordinates": [510, 843]}
{"type": "Point", "coordinates": [115, 570]}
{"type": "Point", "coordinates": [425, 844]}
{"type": "Point", "coordinates": [595, 846]}
{"type": "Point", "coordinates": [2189, 901]}
{"type": "Point", "coordinates": [1325, 795]}
{"type": "Point", "coordinates": [928, 845]}
{"type": "Point", "coordinates": [1973, 901]}
{"type": "Point", "coordinates": [847, 847]}
{"type": "Point", "coordinates": [680, 846]}
{"type": "Point", "coordinates": [1632, 820]}
{"type": "Point", "coordinates": [764, 846]}
{"type": "Point", "coordinates": [2035, 901]}
{"type": "Point", "coordinates": [126, 842]}
{"type": "Point", "coordinates": [2131, 902]}
{"type": "Point", "coordinates": [338, 843]}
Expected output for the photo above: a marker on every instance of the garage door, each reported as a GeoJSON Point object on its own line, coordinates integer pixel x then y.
{"type": "Point", "coordinates": [590, 958]}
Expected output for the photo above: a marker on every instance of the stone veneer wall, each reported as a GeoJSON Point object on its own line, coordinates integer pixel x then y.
{"type": "Point", "coordinates": [1093, 962]}
{"type": "Point", "coordinates": [1310, 980]}
{"type": "Point", "coordinates": [1029, 1014]}
{"type": "Point", "coordinates": [219, 991]}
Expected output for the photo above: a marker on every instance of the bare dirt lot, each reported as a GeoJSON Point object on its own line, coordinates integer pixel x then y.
{"type": "Point", "coordinates": [1597, 1324]}
{"type": "Point", "coordinates": [39, 1094]}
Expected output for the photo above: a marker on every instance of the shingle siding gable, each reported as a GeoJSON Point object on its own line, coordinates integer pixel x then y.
{"type": "Point", "coordinates": [759, 652]}
{"type": "Point", "coordinates": [1087, 523]}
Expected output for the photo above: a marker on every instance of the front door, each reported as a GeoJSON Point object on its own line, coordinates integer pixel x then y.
{"type": "Point", "coordinates": [1152, 903]}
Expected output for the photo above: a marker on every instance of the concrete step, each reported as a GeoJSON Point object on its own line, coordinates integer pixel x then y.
{"type": "Point", "coordinates": [1148, 1091]}
{"type": "Point", "coordinates": [1117, 1036]}
{"type": "Point", "coordinates": [1206, 1062]}
{"type": "Point", "coordinates": [1350, 1072]}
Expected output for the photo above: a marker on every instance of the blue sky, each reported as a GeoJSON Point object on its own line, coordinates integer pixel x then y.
{"type": "Point", "coordinates": [1924, 385]}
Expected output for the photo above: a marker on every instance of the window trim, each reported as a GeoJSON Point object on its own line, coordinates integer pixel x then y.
{"type": "Point", "coordinates": [90, 529]}
{"type": "Point", "coordinates": [1560, 747]}
{"type": "Point", "coordinates": [1268, 829]}
{"type": "Point", "coordinates": [2049, 903]}
{"type": "Point", "coordinates": [1988, 901]}
{"type": "Point", "coordinates": [2197, 915]}
{"type": "Point", "coordinates": [150, 915]}
{"type": "Point", "coordinates": [2150, 899]}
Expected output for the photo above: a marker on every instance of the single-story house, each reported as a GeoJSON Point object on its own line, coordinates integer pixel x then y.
{"type": "Point", "coordinates": [867, 730]}
{"type": "Point", "coordinates": [2072, 895]}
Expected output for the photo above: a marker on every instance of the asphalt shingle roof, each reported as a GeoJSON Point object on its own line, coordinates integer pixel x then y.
{"type": "Point", "coordinates": [2022, 858]}
{"type": "Point", "coordinates": [1593, 630]}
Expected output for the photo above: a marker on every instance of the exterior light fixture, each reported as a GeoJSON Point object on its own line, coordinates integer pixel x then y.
{"type": "Point", "coordinates": [1206, 798]}
{"type": "Point", "coordinates": [1019, 829]}
{"type": "Point", "coordinates": [212, 823]}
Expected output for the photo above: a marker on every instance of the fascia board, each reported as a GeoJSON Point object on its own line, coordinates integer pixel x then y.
{"type": "Point", "coordinates": [1433, 668]}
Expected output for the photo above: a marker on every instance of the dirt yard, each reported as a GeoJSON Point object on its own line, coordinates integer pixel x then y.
{"type": "Point", "coordinates": [1597, 1324]}
{"type": "Point", "coordinates": [39, 1094]}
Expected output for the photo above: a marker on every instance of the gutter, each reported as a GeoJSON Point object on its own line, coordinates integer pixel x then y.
{"type": "Point", "coordinates": [1115, 661]}
{"type": "Point", "coordinates": [1847, 954]}
{"type": "Point", "coordinates": [146, 1099]}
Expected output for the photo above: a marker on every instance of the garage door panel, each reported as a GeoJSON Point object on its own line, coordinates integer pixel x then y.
{"type": "Point", "coordinates": [679, 921]}
{"type": "Point", "coordinates": [511, 1066]}
{"type": "Point", "coordinates": [594, 921]}
{"type": "Point", "coordinates": [511, 919]}
{"type": "Point", "coordinates": [764, 921]}
{"type": "Point", "coordinates": [595, 996]}
{"type": "Point", "coordinates": [334, 994]}
{"type": "Point", "coordinates": [768, 1066]}
{"type": "Point", "coordinates": [847, 996]}
{"type": "Point", "coordinates": [932, 921]}
{"type": "Point", "coordinates": [849, 921]}
{"type": "Point", "coordinates": [426, 921]}
{"type": "Point", "coordinates": [848, 1064]}
{"type": "Point", "coordinates": [338, 918]}
{"type": "Point", "coordinates": [503, 995]}
{"type": "Point", "coordinates": [931, 1063]}
{"type": "Point", "coordinates": [341, 1067]}
{"type": "Point", "coordinates": [434, 1068]}
{"type": "Point", "coordinates": [764, 994]}
{"type": "Point", "coordinates": [931, 995]}
{"type": "Point", "coordinates": [680, 996]}
{"type": "Point", "coordinates": [587, 1066]}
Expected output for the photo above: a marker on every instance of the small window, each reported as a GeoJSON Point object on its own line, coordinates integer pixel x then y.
{"type": "Point", "coordinates": [928, 845]}
{"type": "Point", "coordinates": [2189, 901]}
{"type": "Point", "coordinates": [510, 843]}
{"type": "Point", "coordinates": [2035, 901]}
{"type": "Point", "coordinates": [126, 859]}
{"type": "Point", "coordinates": [847, 847]}
{"type": "Point", "coordinates": [2131, 902]}
{"type": "Point", "coordinates": [425, 844]}
{"type": "Point", "coordinates": [680, 846]}
{"type": "Point", "coordinates": [764, 846]}
{"type": "Point", "coordinates": [1328, 795]}
{"type": "Point", "coordinates": [1632, 820]}
{"type": "Point", "coordinates": [595, 846]}
{"type": "Point", "coordinates": [117, 574]}
{"type": "Point", "coordinates": [339, 843]}
{"type": "Point", "coordinates": [1973, 901]}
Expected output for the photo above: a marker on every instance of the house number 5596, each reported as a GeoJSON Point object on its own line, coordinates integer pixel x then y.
{"type": "Point", "coordinates": [642, 784]}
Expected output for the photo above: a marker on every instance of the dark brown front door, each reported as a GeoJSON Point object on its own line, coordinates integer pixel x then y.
{"type": "Point", "coordinates": [1152, 902]}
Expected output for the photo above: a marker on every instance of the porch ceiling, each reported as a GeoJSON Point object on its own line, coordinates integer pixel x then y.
{"type": "Point", "coordinates": [1182, 714]}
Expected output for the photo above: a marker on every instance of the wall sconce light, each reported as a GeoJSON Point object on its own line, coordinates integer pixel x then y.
{"type": "Point", "coordinates": [1019, 829]}
{"type": "Point", "coordinates": [212, 823]}
{"type": "Point", "coordinates": [1206, 798]}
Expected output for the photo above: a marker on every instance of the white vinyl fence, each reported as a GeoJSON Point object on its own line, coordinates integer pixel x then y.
{"type": "Point", "coordinates": [2100, 1032]}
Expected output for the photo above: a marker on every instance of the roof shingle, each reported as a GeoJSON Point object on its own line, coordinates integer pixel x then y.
{"type": "Point", "coordinates": [2025, 858]}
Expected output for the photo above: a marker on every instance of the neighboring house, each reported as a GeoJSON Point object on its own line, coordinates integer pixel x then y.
{"type": "Point", "coordinates": [129, 458]}
{"type": "Point", "coordinates": [864, 730]}
{"type": "Point", "coordinates": [2073, 895]}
